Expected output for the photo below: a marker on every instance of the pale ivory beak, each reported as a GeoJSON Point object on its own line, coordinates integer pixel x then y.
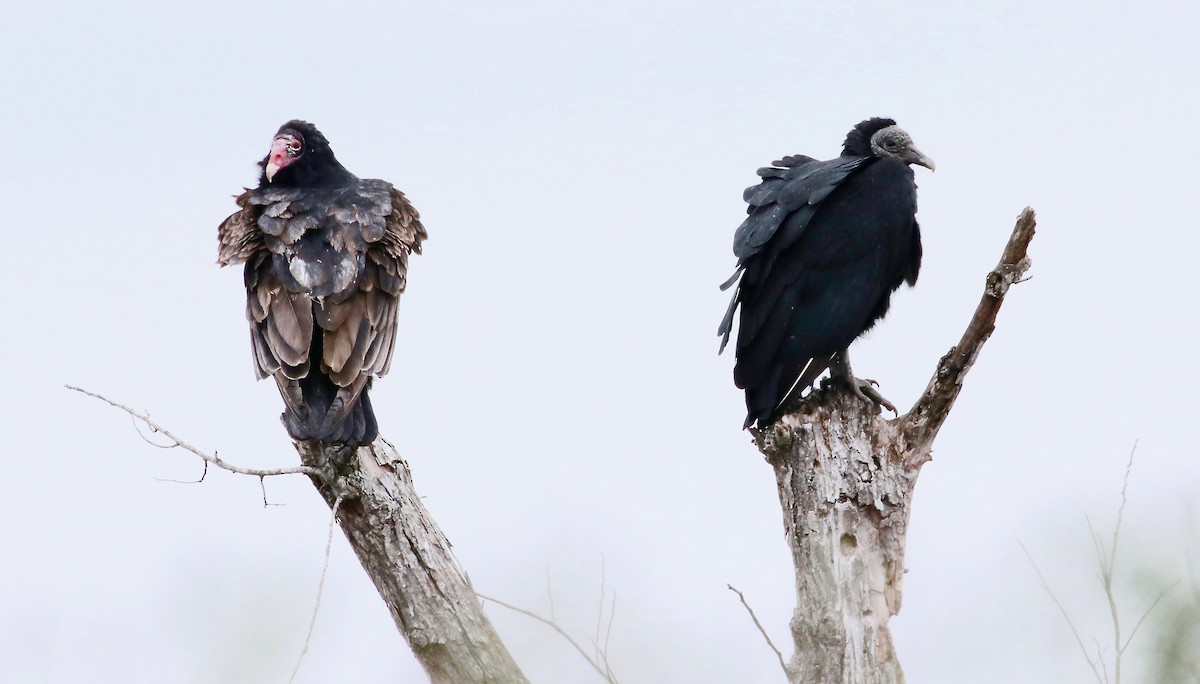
{"type": "Point", "coordinates": [918, 157]}
{"type": "Point", "coordinates": [280, 155]}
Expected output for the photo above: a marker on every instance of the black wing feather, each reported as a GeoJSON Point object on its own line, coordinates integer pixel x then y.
{"type": "Point", "coordinates": [784, 190]}
{"type": "Point", "coordinates": [788, 194]}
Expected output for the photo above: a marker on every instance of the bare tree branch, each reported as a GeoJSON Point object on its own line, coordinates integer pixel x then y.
{"type": "Point", "coordinates": [320, 588]}
{"type": "Point", "coordinates": [1108, 563]}
{"type": "Point", "coordinates": [1109, 568]}
{"type": "Point", "coordinates": [208, 458]}
{"type": "Point", "coordinates": [1107, 557]}
{"type": "Point", "coordinates": [1100, 659]}
{"type": "Point", "coordinates": [612, 616]}
{"type": "Point", "coordinates": [400, 546]}
{"type": "Point", "coordinates": [600, 608]}
{"type": "Point", "coordinates": [1106, 582]}
{"type": "Point", "coordinates": [606, 675]}
{"type": "Point", "coordinates": [1146, 614]}
{"type": "Point", "coordinates": [763, 632]}
{"type": "Point", "coordinates": [601, 651]}
{"type": "Point", "coordinates": [1066, 616]}
{"type": "Point", "coordinates": [203, 474]}
{"type": "Point", "coordinates": [923, 421]}
{"type": "Point", "coordinates": [550, 594]}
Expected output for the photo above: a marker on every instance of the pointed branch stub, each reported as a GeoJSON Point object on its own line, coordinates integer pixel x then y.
{"type": "Point", "coordinates": [923, 421]}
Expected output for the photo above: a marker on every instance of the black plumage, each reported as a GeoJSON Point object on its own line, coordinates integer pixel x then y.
{"type": "Point", "coordinates": [326, 256]}
{"type": "Point", "coordinates": [823, 247]}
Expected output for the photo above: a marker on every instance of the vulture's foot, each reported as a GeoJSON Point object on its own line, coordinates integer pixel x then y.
{"type": "Point", "coordinates": [864, 389]}
{"type": "Point", "coordinates": [860, 387]}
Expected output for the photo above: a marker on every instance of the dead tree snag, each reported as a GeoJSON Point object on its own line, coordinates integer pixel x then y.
{"type": "Point", "coordinates": [845, 476]}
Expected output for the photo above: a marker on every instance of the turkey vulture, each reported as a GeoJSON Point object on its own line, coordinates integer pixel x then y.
{"type": "Point", "coordinates": [825, 245]}
{"type": "Point", "coordinates": [326, 256]}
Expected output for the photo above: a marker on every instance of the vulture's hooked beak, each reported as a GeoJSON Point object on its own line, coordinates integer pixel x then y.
{"type": "Point", "coordinates": [915, 156]}
{"type": "Point", "coordinates": [284, 149]}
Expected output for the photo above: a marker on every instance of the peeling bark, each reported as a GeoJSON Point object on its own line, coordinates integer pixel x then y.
{"type": "Point", "coordinates": [845, 476]}
{"type": "Point", "coordinates": [408, 558]}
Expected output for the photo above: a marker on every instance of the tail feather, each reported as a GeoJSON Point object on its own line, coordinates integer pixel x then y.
{"type": "Point", "coordinates": [332, 414]}
{"type": "Point", "coordinates": [771, 398]}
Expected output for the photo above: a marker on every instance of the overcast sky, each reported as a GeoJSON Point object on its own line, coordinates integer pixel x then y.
{"type": "Point", "coordinates": [556, 389]}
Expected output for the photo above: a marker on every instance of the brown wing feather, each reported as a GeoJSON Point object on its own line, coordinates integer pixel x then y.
{"type": "Point", "coordinates": [291, 392]}
{"type": "Point", "coordinates": [354, 366]}
{"type": "Point", "coordinates": [360, 331]}
{"type": "Point", "coordinates": [290, 326]}
{"type": "Point", "coordinates": [404, 228]}
{"type": "Point", "coordinates": [238, 236]}
{"type": "Point", "coordinates": [339, 342]}
{"type": "Point", "coordinates": [258, 301]}
{"type": "Point", "coordinates": [281, 322]}
{"type": "Point", "coordinates": [378, 304]}
{"type": "Point", "coordinates": [403, 236]}
{"type": "Point", "coordinates": [379, 356]}
{"type": "Point", "coordinates": [385, 279]}
{"type": "Point", "coordinates": [330, 315]}
{"type": "Point", "coordinates": [265, 363]}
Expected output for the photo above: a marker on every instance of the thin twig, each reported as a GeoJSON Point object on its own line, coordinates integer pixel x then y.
{"type": "Point", "coordinates": [600, 608]}
{"type": "Point", "coordinates": [612, 615]}
{"type": "Point", "coordinates": [1100, 659]}
{"type": "Point", "coordinates": [602, 651]}
{"type": "Point", "coordinates": [550, 594]}
{"type": "Point", "coordinates": [262, 485]}
{"type": "Point", "coordinates": [1108, 569]}
{"type": "Point", "coordinates": [208, 458]}
{"type": "Point", "coordinates": [758, 624]}
{"type": "Point", "coordinates": [137, 428]}
{"type": "Point", "coordinates": [1078, 639]}
{"type": "Point", "coordinates": [1106, 582]}
{"type": "Point", "coordinates": [203, 475]}
{"type": "Point", "coordinates": [560, 630]}
{"type": "Point", "coordinates": [1107, 557]}
{"type": "Point", "coordinates": [1145, 615]}
{"type": "Point", "coordinates": [320, 588]}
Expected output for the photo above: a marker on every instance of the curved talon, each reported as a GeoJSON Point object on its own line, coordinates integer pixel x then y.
{"type": "Point", "coordinates": [863, 389]}
{"type": "Point", "coordinates": [867, 391]}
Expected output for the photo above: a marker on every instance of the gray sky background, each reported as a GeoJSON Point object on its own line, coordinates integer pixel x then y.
{"type": "Point", "coordinates": [556, 389]}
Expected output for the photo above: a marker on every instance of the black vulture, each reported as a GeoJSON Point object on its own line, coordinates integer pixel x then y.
{"type": "Point", "coordinates": [326, 256]}
{"type": "Point", "coordinates": [825, 245]}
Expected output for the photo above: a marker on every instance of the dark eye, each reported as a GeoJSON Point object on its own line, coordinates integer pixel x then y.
{"type": "Point", "coordinates": [293, 149]}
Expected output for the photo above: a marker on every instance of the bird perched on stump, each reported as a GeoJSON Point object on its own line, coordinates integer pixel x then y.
{"type": "Point", "coordinates": [326, 256]}
{"type": "Point", "coordinates": [823, 248]}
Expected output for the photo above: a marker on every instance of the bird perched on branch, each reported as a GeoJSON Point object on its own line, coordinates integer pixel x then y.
{"type": "Point", "coordinates": [825, 245]}
{"type": "Point", "coordinates": [326, 256]}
